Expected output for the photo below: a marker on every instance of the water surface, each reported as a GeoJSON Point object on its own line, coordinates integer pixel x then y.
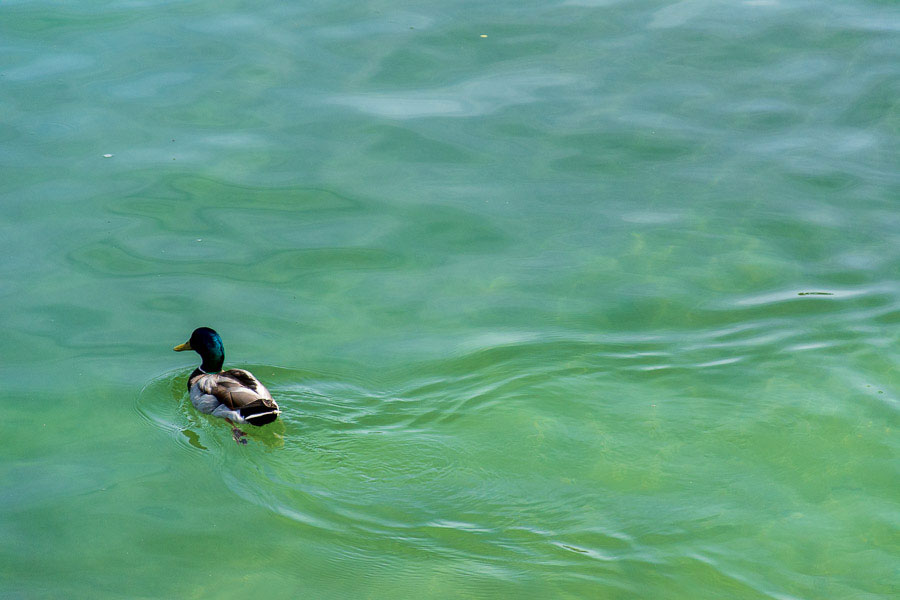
{"type": "Point", "coordinates": [572, 299]}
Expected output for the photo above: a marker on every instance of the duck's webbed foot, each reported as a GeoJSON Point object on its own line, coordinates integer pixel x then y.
{"type": "Point", "coordinates": [238, 435]}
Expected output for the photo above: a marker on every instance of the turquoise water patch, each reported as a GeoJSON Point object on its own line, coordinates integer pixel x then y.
{"type": "Point", "coordinates": [573, 299]}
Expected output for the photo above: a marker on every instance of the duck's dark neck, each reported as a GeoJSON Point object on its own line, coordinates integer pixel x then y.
{"type": "Point", "coordinates": [212, 363]}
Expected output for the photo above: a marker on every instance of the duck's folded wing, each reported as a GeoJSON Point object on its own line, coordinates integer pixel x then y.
{"type": "Point", "coordinates": [237, 392]}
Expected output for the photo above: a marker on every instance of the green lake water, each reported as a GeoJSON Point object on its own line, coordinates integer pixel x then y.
{"type": "Point", "coordinates": [560, 299]}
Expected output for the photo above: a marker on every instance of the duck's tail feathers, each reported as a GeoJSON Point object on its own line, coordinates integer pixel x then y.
{"type": "Point", "coordinates": [260, 415]}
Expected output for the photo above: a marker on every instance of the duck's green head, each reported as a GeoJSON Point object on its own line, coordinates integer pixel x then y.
{"type": "Point", "coordinates": [207, 343]}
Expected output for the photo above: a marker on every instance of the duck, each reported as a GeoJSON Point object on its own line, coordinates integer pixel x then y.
{"type": "Point", "coordinates": [234, 395]}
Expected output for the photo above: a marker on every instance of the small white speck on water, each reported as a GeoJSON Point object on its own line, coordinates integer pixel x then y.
{"type": "Point", "coordinates": [199, 239]}
{"type": "Point", "coordinates": [107, 156]}
{"type": "Point", "coordinates": [484, 35]}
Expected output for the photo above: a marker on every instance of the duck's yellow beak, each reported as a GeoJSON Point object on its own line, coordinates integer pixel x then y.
{"type": "Point", "coordinates": [182, 347]}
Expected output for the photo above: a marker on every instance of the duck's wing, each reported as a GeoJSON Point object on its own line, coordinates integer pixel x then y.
{"type": "Point", "coordinates": [237, 389]}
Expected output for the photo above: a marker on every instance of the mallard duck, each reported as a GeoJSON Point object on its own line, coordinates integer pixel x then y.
{"type": "Point", "coordinates": [235, 395]}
